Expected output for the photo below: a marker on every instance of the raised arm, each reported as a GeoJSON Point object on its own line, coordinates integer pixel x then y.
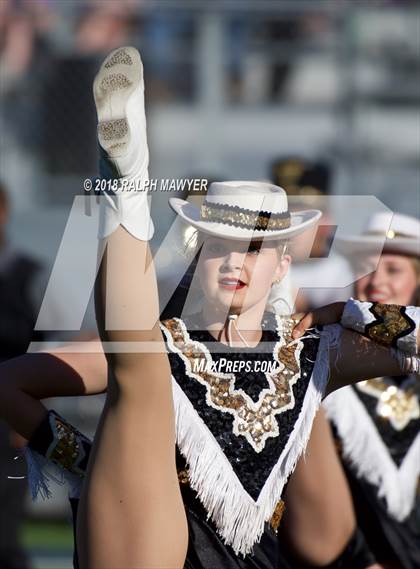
{"type": "Point", "coordinates": [378, 340]}
{"type": "Point", "coordinates": [27, 379]}
{"type": "Point", "coordinates": [357, 358]}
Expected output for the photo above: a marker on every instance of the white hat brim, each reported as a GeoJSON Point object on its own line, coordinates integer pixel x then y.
{"type": "Point", "coordinates": [352, 244]}
{"type": "Point", "coordinates": [300, 221]}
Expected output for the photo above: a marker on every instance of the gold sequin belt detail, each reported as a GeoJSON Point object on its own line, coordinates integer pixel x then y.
{"type": "Point", "coordinates": [245, 218]}
{"type": "Point", "coordinates": [256, 421]}
{"type": "Point", "coordinates": [391, 323]}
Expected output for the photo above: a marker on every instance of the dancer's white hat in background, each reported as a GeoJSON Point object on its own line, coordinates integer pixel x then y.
{"type": "Point", "coordinates": [402, 236]}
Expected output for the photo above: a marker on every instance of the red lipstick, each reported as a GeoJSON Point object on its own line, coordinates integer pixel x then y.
{"type": "Point", "coordinates": [231, 283]}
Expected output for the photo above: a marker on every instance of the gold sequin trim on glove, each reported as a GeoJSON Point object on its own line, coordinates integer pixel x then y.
{"type": "Point", "coordinates": [391, 324]}
{"type": "Point", "coordinates": [69, 447]}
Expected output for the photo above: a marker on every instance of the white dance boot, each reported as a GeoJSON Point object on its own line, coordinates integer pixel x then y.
{"type": "Point", "coordinates": [119, 98]}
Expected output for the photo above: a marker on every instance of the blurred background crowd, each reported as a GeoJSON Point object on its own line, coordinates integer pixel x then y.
{"type": "Point", "coordinates": [231, 88]}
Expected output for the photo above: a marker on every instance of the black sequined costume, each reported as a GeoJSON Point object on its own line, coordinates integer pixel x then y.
{"type": "Point", "coordinates": [240, 433]}
{"type": "Point", "coordinates": [381, 457]}
{"type": "Point", "coordinates": [238, 438]}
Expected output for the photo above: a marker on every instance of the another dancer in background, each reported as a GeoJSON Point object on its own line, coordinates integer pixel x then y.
{"type": "Point", "coordinates": [377, 421]}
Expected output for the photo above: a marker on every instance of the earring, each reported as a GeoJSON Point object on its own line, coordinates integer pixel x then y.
{"type": "Point", "coordinates": [276, 281]}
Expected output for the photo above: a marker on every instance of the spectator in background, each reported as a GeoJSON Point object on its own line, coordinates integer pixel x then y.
{"type": "Point", "coordinates": [24, 56]}
{"type": "Point", "coordinates": [18, 277]}
{"type": "Point", "coordinates": [18, 297]}
{"type": "Point", "coordinates": [169, 41]}
{"type": "Point", "coordinates": [98, 28]}
{"type": "Point", "coordinates": [24, 64]}
{"type": "Point", "coordinates": [103, 27]}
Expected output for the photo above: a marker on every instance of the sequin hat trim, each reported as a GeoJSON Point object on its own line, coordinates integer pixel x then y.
{"type": "Point", "coordinates": [245, 210]}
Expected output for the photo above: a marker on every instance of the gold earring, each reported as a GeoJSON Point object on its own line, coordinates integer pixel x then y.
{"type": "Point", "coordinates": [276, 281]}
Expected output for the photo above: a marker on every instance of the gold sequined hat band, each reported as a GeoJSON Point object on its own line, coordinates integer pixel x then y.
{"type": "Point", "coordinates": [244, 210]}
{"type": "Point", "coordinates": [246, 218]}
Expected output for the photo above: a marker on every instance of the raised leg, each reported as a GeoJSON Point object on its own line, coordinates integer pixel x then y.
{"type": "Point", "coordinates": [131, 514]}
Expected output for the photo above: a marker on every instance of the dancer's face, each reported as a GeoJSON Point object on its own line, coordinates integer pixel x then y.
{"type": "Point", "coordinates": [238, 275]}
{"type": "Point", "coordinates": [393, 282]}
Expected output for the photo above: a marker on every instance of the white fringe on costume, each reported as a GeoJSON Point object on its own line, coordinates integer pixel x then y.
{"type": "Point", "coordinates": [368, 454]}
{"type": "Point", "coordinates": [239, 518]}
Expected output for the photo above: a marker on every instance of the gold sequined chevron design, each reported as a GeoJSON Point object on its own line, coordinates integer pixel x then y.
{"type": "Point", "coordinates": [253, 420]}
{"type": "Point", "coordinates": [396, 404]}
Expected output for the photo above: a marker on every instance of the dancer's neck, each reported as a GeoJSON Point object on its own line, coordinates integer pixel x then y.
{"type": "Point", "coordinates": [248, 322]}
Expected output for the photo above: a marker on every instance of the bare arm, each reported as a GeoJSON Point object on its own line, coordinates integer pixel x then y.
{"type": "Point", "coordinates": [319, 525]}
{"type": "Point", "coordinates": [358, 358]}
{"type": "Point", "coordinates": [319, 517]}
{"type": "Point", "coordinates": [27, 379]}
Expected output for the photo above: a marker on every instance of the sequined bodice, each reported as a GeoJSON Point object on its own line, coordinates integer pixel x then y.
{"type": "Point", "coordinates": [250, 413]}
{"type": "Point", "coordinates": [243, 418]}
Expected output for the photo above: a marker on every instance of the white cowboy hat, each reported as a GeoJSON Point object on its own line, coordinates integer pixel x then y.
{"type": "Point", "coordinates": [244, 210]}
{"type": "Point", "coordinates": [401, 236]}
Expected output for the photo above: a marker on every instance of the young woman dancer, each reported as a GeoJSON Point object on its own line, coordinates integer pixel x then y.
{"type": "Point", "coordinates": [377, 421]}
{"type": "Point", "coordinates": [238, 435]}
